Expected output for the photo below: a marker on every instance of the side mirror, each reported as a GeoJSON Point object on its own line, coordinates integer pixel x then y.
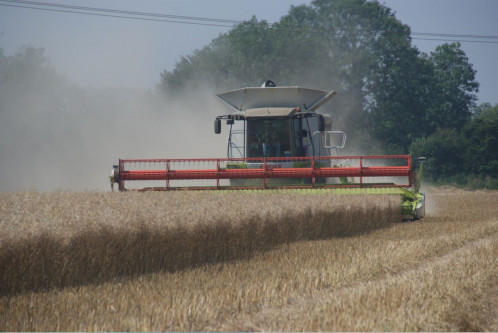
{"type": "Point", "coordinates": [321, 123]}
{"type": "Point", "coordinates": [217, 126]}
{"type": "Point", "coordinates": [339, 136]}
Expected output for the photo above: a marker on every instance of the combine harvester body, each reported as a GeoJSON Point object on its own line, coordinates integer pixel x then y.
{"type": "Point", "coordinates": [277, 141]}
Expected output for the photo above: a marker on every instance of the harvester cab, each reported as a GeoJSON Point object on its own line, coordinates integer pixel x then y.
{"type": "Point", "coordinates": [278, 141]}
{"type": "Point", "coordinates": [271, 121]}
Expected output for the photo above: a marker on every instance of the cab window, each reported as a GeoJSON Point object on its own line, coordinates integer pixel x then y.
{"type": "Point", "coordinates": [268, 138]}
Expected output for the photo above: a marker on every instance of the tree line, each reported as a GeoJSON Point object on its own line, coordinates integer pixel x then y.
{"type": "Point", "coordinates": [392, 98]}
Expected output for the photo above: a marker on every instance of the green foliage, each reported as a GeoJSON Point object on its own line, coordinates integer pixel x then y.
{"type": "Point", "coordinates": [388, 91]}
{"type": "Point", "coordinates": [349, 46]}
{"type": "Point", "coordinates": [453, 88]}
{"type": "Point", "coordinates": [468, 157]}
{"type": "Point", "coordinates": [444, 150]}
{"type": "Point", "coordinates": [234, 59]}
{"type": "Point", "coordinates": [481, 135]}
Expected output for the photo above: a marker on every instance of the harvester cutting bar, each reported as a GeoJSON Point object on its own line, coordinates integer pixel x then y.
{"type": "Point", "coordinates": [311, 168]}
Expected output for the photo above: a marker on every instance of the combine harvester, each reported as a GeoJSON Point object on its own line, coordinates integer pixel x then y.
{"type": "Point", "coordinates": [277, 141]}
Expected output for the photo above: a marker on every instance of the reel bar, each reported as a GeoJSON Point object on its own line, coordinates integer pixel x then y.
{"type": "Point", "coordinates": [311, 168]}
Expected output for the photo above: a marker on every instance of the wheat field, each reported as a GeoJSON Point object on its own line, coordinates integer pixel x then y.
{"type": "Point", "coordinates": [247, 261]}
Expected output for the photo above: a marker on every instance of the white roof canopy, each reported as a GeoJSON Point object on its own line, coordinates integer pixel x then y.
{"type": "Point", "coordinates": [281, 97]}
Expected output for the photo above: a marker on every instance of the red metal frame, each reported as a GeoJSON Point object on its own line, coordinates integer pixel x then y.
{"type": "Point", "coordinates": [266, 168]}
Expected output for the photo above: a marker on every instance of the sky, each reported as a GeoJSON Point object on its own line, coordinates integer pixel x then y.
{"type": "Point", "coordinates": [103, 51]}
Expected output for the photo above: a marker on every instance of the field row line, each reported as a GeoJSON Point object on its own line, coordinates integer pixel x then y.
{"type": "Point", "coordinates": [302, 304]}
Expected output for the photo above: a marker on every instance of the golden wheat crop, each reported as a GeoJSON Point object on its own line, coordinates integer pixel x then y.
{"type": "Point", "coordinates": [299, 262]}
{"type": "Point", "coordinates": [62, 239]}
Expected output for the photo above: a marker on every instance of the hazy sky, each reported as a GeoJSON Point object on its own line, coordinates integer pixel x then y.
{"type": "Point", "coordinates": [105, 51]}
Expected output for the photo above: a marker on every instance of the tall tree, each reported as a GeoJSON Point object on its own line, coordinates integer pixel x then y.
{"type": "Point", "coordinates": [329, 44]}
{"type": "Point", "coordinates": [388, 91]}
{"type": "Point", "coordinates": [481, 136]}
{"type": "Point", "coordinates": [445, 151]}
{"type": "Point", "coordinates": [453, 88]}
{"type": "Point", "coordinates": [236, 58]}
{"type": "Point", "coordinates": [28, 71]}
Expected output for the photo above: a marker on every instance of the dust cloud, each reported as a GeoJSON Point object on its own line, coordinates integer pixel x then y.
{"type": "Point", "coordinates": [431, 207]}
{"type": "Point", "coordinates": [58, 136]}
